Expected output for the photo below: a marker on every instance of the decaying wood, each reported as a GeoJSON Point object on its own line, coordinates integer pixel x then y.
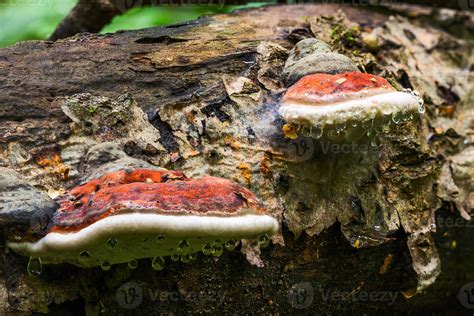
{"type": "Point", "coordinates": [210, 90]}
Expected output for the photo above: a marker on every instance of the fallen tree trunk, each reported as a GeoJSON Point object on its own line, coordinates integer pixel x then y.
{"type": "Point", "coordinates": [210, 89]}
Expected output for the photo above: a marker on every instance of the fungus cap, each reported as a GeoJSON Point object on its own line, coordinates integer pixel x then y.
{"type": "Point", "coordinates": [321, 99]}
{"type": "Point", "coordinates": [146, 213]}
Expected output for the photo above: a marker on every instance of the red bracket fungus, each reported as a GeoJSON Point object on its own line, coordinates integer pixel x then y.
{"type": "Point", "coordinates": [124, 216]}
{"type": "Point", "coordinates": [345, 100]}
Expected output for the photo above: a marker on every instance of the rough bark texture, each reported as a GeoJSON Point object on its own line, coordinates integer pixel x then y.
{"type": "Point", "coordinates": [210, 90]}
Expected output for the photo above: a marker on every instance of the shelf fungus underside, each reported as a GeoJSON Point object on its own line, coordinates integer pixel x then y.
{"type": "Point", "coordinates": [345, 99]}
{"type": "Point", "coordinates": [124, 216]}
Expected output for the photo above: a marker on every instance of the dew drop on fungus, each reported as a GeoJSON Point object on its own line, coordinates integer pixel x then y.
{"type": "Point", "coordinates": [84, 256]}
{"type": "Point", "coordinates": [185, 258]}
{"type": "Point", "coordinates": [421, 108]}
{"type": "Point", "coordinates": [188, 257]}
{"type": "Point", "coordinates": [133, 264]}
{"type": "Point", "coordinates": [158, 263]}
{"type": "Point", "coordinates": [111, 243]}
{"type": "Point", "coordinates": [34, 266]}
{"type": "Point", "coordinates": [217, 250]}
{"type": "Point", "coordinates": [396, 117]}
{"type": "Point", "coordinates": [306, 131]}
{"type": "Point", "coordinates": [375, 141]}
{"type": "Point", "coordinates": [207, 249]}
{"type": "Point", "coordinates": [160, 239]}
{"type": "Point", "coordinates": [183, 245]}
{"type": "Point", "coordinates": [264, 241]}
{"type": "Point", "coordinates": [231, 244]}
{"type": "Point", "coordinates": [341, 131]}
{"type": "Point", "coordinates": [175, 257]}
{"type": "Point", "coordinates": [105, 266]}
{"type": "Point", "coordinates": [317, 131]}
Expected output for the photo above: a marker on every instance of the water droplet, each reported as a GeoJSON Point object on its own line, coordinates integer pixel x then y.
{"type": "Point", "coordinates": [386, 110]}
{"type": "Point", "coordinates": [160, 239]}
{"type": "Point", "coordinates": [396, 117]}
{"type": "Point", "coordinates": [341, 132]}
{"type": "Point", "coordinates": [185, 258]}
{"type": "Point", "coordinates": [207, 249]}
{"type": "Point", "coordinates": [34, 266]}
{"type": "Point", "coordinates": [377, 228]}
{"type": "Point", "coordinates": [217, 250]}
{"type": "Point", "coordinates": [405, 116]}
{"type": "Point", "coordinates": [106, 266]}
{"type": "Point", "coordinates": [189, 257]}
{"type": "Point", "coordinates": [316, 131]}
{"type": "Point", "coordinates": [183, 245]}
{"type": "Point", "coordinates": [158, 263]}
{"type": "Point", "coordinates": [84, 256]}
{"type": "Point", "coordinates": [422, 109]}
{"type": "Point", "coordinates": [264, 241]}
{"type": "Point", "coordinates": [133, 264]}
{"type": "Point", "coordinates": [354, 123]}
{"type": "Point", "coordinates": [111, 243]}
{"type": "Point", "coordinates": [375, 141]}
{"type": "Point", "coordinates": [175, 257]}
{"type": "Point", "coordinates": [231, 244]}
{"type": "Point", "coordinates": [306, 131]}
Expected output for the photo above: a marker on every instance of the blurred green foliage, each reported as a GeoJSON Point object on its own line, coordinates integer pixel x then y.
{"type": "Point", "coordinates": [36, 19]}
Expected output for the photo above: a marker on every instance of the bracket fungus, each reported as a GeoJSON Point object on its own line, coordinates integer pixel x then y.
{"type": "Point", "coordinates": [123, 216]}
{"type": "Point", "coordinates": [346, 102]}
{"type": "Point", "coordinates": [329, 93]}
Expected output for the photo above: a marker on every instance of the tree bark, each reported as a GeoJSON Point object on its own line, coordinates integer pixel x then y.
{"type": "Point", "coordinates": [210, 89]}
